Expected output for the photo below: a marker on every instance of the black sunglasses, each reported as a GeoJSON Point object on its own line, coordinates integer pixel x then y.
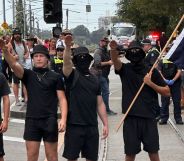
{"type": "Point", "coordinates": [60, 50]}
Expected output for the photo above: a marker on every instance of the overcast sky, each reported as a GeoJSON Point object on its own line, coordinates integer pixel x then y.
{"type": "Point", "coordinates": [77, 12]}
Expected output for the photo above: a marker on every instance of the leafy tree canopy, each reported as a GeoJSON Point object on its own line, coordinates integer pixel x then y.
{"type": "Point", "coordinates": [147, 15]}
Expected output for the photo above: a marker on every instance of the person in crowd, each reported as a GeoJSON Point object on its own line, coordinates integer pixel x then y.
{"type": "Point", "coordinates": [30, 42]}
{"type": "Point", "coordinates": [46, 91]}
{"type": "Point", "coordinates": [85, 102]}
{"type": "Point", "coordinates": [162, 41]}
{"type": "Point", "coordinates": [60, 41]}
{"type": "Point", "coordinates": [151, 56]}
{"type": "Point", "coordinates": [52, 47]}
{"type": "Point", "coordinates": [140, 125]}
{"type": "Point", "coordinates": [18, 49]}
{"type": "Point", "coordinates": [46, 43]}
{"type": "Point", "coordinates": [102, 64]}
{"type": "Point", "coordinates": [57, 62]}
{"type": "Point", "coordinates": [4, 92]}
{"type": "Point", "coordinates": [151, 52]}
{"type": "Point", "coordinates": [5, 67]}
{"type": "Point", "coordinates": [172, 76]}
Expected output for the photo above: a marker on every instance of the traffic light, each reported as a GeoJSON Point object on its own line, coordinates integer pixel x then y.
{"type": "Point", "coordinates": [56, 31]}
{"type": "Point", "coordinates": [52, 11]}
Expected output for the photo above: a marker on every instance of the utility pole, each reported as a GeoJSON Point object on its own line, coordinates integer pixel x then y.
{"type": "Point", "coordinates": [38, 29]}
{"type": "Point", "coordinates": [30, 18]}
{"type": "Point", "coordinates": [4, 14]}
{"type": "Point", "coordinates": [67, 18]}
{"type": "Point", "coordinates": [13, 7]}
{"type": "Point", "coordinates": [33, 19]}
{"type": "Point", "coordinates": [25, 23]}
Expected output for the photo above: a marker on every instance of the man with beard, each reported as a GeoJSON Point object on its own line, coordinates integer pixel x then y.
{"type": "Point", "coordinates": [85, 102]}
{"type": "Point", "coordinates": [46, 91]}
{"type": "Point", "coordinates": [102, 64]}
{"type": "Point", "coordinates": [140, 125]}
{"type": "Point", "coordinates": [19, 50]}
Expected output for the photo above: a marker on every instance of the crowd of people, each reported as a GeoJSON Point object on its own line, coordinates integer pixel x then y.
{"type": "Point", "coordinates": [54, 73]}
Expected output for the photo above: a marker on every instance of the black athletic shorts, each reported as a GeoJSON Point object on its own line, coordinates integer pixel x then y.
{"type": "Point", "coordinates": [84, 139]}
{"type": "Point", "coordinates": [138, 130]}
{"type": "Point", "coordinates": [16, 80]}
{"type": "Point", "coordinates": [1, 146]}
{"type": "Point", "coordinates": [38, 129]}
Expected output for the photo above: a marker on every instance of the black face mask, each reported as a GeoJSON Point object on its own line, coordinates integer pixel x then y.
{"type": "Point", "coordinates": [82, 63]}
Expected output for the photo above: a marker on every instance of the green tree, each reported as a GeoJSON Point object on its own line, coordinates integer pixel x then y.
{"type": "Point", "coordinates": [97, 35]}
{"type": "Point", "coordinates": [149, 15]}
{"type": "Point", "coordinates": [81, 35]}
{"type": "Point", "coordinates": [81, 30]}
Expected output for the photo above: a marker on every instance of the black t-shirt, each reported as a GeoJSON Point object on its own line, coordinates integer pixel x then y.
{"type": "Point", "coordinates": [82, 91]}
{"type": "Point", "coordinates": [131, 83]}
{"type": "Point", "coordinates": [4, 89]}
{"type": "Point", "coordinates": [42, 93]}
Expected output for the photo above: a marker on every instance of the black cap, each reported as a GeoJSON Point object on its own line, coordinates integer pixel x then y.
{"type": "Point", "coordinates": [31, 38]}
{"type": "Point", "coordinates": [81, 50]}
{"type": "Point", "coordinates": [146, 42]}
{"type": "Point", "coordinates": [40, 49]}
{"type": "Point", "coordinates": [135, 51]}
{"type": "Point", "coordinates": [16, 31]}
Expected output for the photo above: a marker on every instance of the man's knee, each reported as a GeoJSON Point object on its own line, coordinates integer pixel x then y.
{"type": "Point", "coordinates": [52, 157]}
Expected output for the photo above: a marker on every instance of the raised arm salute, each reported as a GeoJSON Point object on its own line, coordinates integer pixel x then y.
{"type": "Point", "coordinates": [45, 88]}
{"type": "Point", "coordinates": [85, 102]}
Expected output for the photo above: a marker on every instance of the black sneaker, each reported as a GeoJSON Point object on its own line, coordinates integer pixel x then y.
{"type": "Point", "coordinates": [179, 122]}
{"type": "Point", "coordinates": [110, 112]}
{"type": "Point", "coordinates": [162, 122]}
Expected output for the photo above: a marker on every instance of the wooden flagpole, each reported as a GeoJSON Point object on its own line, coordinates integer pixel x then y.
{"type": "Point", "coordinates": [140, 89]}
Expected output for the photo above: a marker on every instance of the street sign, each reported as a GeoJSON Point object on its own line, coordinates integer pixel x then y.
{"type": "Point", "coordinates": [4, 25]}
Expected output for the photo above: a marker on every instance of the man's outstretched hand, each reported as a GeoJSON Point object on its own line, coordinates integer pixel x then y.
{"type": "Point", "coordinates": [68, 40]}
{"type": "Point", "coordinates": [113, 45]}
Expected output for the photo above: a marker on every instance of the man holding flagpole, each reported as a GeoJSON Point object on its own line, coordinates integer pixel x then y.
{"type": "Point", "coordinates": [140, 125]}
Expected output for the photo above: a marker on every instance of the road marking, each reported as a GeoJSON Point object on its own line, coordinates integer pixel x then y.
{"type": "Point", "coordinates": [14, 139]}
{"type": "Point", "coordinates": [115, 98]}
{"type": "Point", "coordinates": [20, 121]}
{"type": "Point", "coordinates": [60, 141]}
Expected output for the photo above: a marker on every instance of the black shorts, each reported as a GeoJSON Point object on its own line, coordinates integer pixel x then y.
{"type": "Point", "coordinates": [16, 80]}
{"type": "Point", "coordinates": [84, 139]}
{"type": "Point", "coordinates": [38, 129]}
{"type": "Point", "coordinates": [140, 130]}
{"type": "Point", "coordinates": [1, 146]}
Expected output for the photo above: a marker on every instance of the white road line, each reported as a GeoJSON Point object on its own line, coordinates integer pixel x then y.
{"type": "Point", "coordinates": [14, 139]}
{"type": "Point", "coordinates": [17, 121]}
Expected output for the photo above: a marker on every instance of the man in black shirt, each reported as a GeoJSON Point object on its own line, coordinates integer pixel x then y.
{"type": "Point", "coordinates": [85, 102]}
{"type": "Point", "coordinates": [45, 88]}
{"type": "Point", "coordinates": [140, 125]}
{"type": "Point", "coordinates": [4, 91]}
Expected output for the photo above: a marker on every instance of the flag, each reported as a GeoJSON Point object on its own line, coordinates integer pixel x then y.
{"type": "Point", "coordinates": [176, 53]}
